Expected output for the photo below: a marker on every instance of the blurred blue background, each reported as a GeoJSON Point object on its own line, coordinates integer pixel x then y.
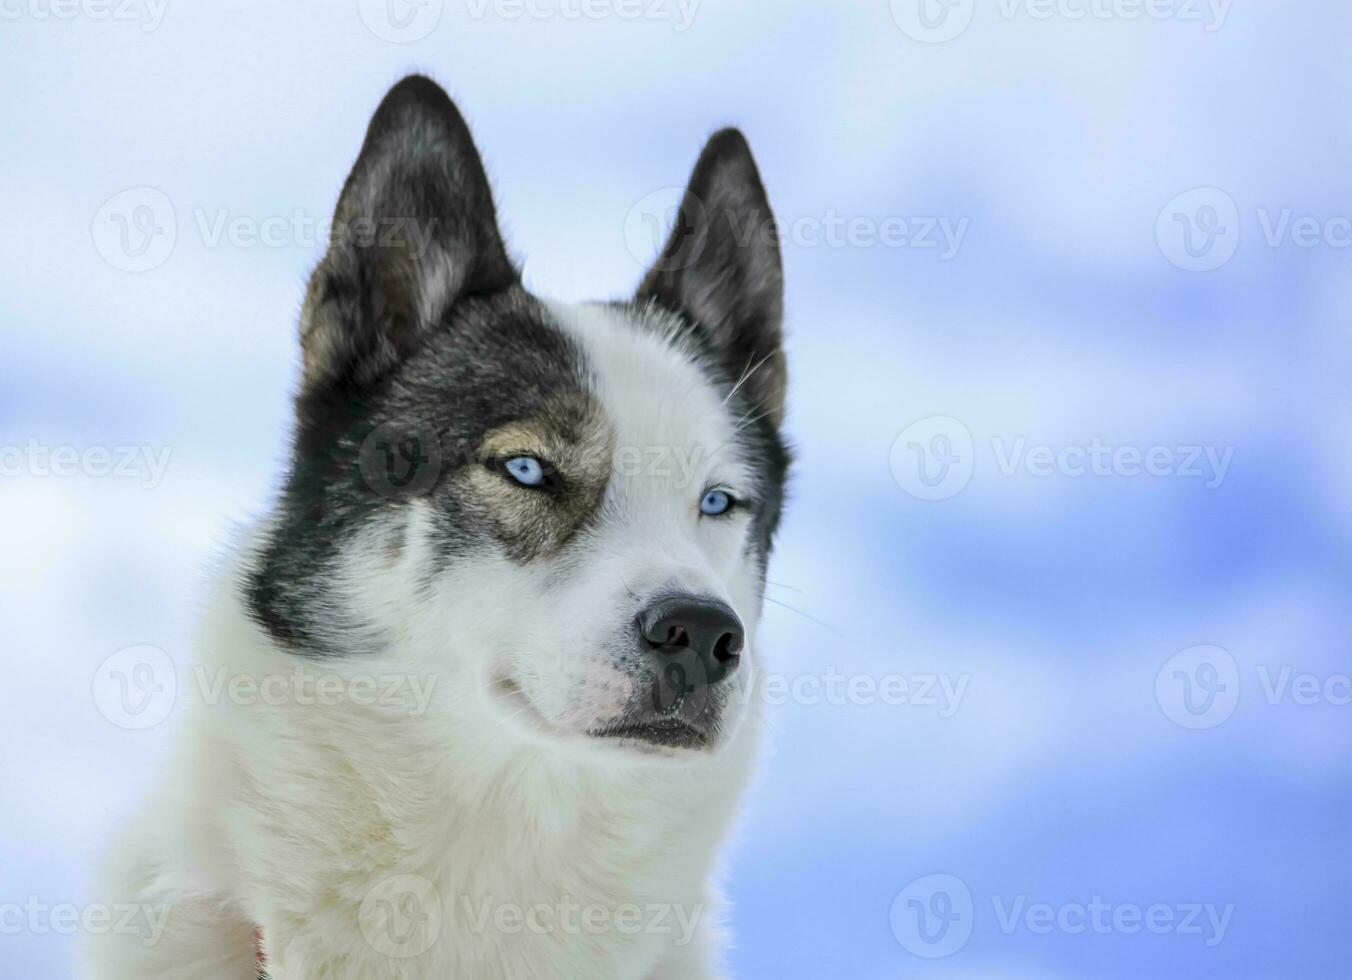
{"type": "Point", "coordinates": [1085, 751]}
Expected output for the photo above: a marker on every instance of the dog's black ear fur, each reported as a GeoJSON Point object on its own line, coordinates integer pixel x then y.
{"type": "Point", "coordinates": [721, 268]}
{"type": "Point", "coordinates": [415, 230]}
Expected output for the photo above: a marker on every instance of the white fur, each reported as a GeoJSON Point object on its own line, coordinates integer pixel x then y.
{"type": "Point", "coordinates": [469, 785]}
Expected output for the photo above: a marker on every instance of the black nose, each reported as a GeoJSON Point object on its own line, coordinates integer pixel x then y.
{"type": "Point", "coordinates": [678, 626]}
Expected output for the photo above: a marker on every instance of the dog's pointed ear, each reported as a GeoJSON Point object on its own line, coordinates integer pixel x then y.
{"type": "Point", "coordinates": [414, 231]}
{"type": "Point", "coordinates": [721, 268]}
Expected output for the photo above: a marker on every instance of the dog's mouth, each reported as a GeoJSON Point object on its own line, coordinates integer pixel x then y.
{"type": "Point", "coordinates": [646, 733]}
{"type": "Point", "coordinates": [670, 733]}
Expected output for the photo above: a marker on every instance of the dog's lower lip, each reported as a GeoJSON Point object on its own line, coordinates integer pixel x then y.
{"type": "Point", "coordinates": [675, 734]}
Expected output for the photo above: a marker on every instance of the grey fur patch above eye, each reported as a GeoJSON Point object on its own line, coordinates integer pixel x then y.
{"type": "Point", "coordinates": [572, 437]}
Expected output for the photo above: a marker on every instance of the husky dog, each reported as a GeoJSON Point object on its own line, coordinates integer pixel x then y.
{"type": "Point", "coordinates": [475, 700]}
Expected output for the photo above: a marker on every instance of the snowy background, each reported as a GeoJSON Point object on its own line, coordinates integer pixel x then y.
{"type": "Point", "coordinates": [1076, 464]}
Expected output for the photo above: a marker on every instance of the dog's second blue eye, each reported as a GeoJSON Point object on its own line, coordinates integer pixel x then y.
{"type": "Point", "coordinates": [526, 470]}
{"type": "Point", "coordinates": [715, 503]}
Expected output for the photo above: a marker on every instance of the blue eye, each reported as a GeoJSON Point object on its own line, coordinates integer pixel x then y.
{"type": "Point", "coordinates": [525, 470]}
{"type": "Point", "coordinates": [715, 503]}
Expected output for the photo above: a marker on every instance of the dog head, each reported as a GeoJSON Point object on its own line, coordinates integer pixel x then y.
{"type": "Point", "coordinates": [566, 511]}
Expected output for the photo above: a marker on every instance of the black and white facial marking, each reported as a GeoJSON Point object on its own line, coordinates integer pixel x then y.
{"type": "Point", "coordinates": [567, 509]}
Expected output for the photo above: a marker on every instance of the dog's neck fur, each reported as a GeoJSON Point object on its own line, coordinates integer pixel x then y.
{"type": "Point", "coordinates": [288, 847]}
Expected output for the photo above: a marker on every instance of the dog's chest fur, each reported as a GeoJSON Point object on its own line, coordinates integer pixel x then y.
{"type": "Point", "coordinates": [504, 852]}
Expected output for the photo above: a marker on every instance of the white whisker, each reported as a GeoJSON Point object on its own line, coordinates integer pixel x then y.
{"type": "Point", "coordinates": [746, 375]}
{"type": "Point", "coordinates": [810, 618]}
